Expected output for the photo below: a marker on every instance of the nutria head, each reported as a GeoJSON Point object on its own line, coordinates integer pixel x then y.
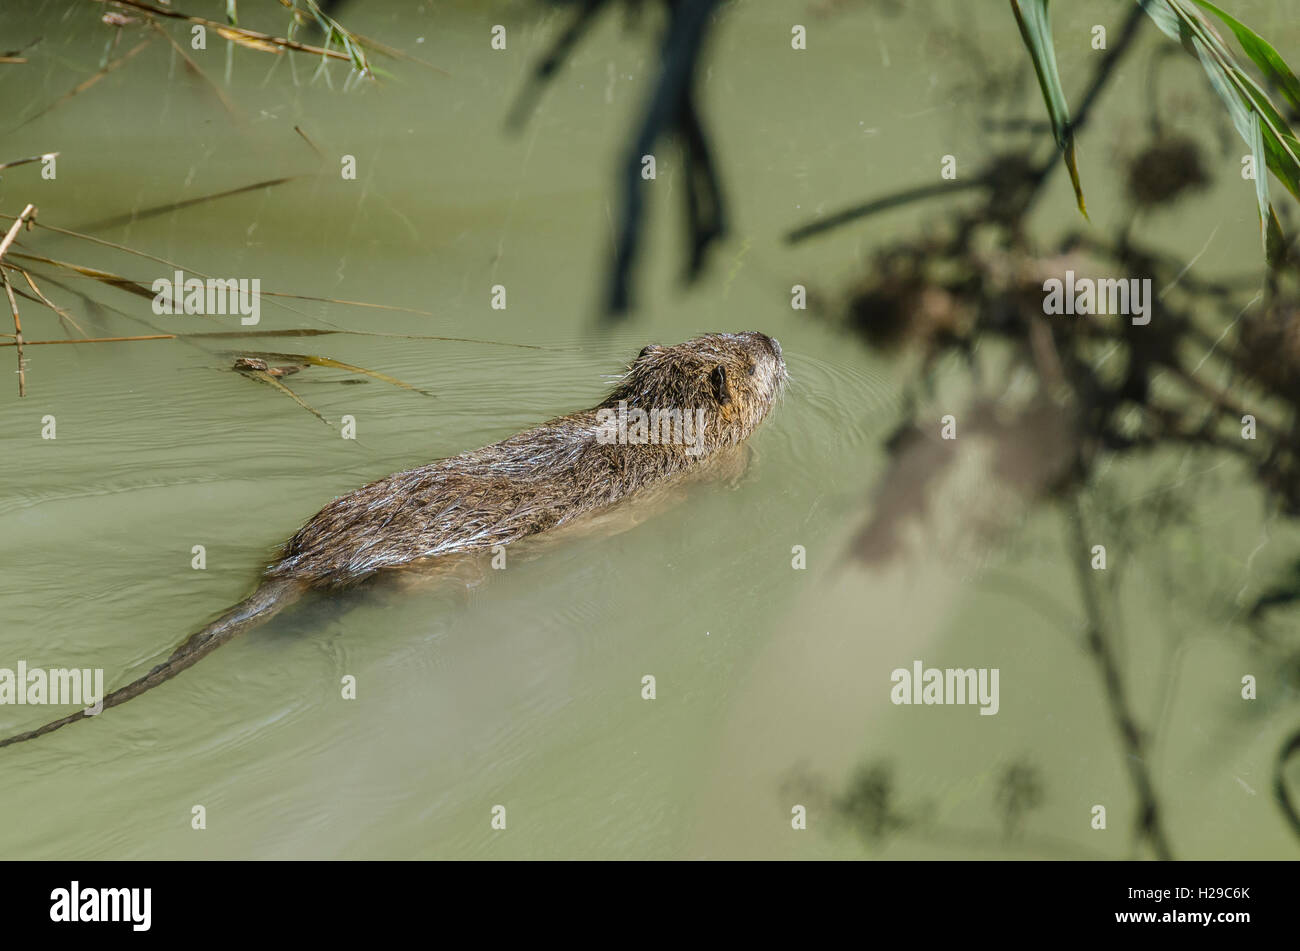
{"type": "Point", "coordinates": [734, 378]}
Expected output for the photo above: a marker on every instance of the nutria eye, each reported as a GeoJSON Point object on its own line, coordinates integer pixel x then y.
{"type": "Point", "coordinates": [752, 368]}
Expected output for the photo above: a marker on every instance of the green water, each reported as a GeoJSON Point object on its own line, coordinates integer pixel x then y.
{"type": "Point", "coordinates": [525, 690]}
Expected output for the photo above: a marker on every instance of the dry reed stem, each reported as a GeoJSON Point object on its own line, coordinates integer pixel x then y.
{"type": "Point", "coordinates": [38, 343]}
{"type": "Point", "coordinates": [10, 236]}
{"type": "Point", "coordinates": [50, 304]}
{"type": "Point", "coordinates": [223, 28]}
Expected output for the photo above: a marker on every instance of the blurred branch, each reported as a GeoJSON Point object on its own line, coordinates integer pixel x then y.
{"type": "Point", "coordinates": [1289, 749]}
{"type": "Point", "coordinates": [1149, 825]}
{"type": "Point", "coordinates": [670, 110]}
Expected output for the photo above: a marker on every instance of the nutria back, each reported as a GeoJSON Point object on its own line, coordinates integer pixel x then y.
{"type": "Point", "coordinates": [674, 407]}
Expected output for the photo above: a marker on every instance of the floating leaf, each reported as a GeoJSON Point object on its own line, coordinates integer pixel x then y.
{"type": "Point", "coordinates": [339, 365]}
{"type": "Point", "coordinates": [263, 377]}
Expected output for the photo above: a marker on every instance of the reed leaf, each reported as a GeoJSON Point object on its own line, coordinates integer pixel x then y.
{"type": "Point", "coordinates": [1036, 30]}
{"type": "Point", "coordinates": [1272, 142]}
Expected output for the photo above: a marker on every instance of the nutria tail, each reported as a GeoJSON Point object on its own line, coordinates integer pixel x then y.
{"type": "Point", "coordinates": [260, 606]}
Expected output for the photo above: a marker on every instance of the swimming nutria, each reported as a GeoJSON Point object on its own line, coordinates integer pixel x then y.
{"type": "Point", "coordinates": [531, 482]}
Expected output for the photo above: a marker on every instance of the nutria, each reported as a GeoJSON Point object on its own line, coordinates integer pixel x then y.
{"type": "Point", "coordinates": [534, 481]}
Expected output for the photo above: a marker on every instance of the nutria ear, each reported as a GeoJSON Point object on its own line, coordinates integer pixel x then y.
{"type": "Point", "coordinates": [648, 348]}
{"type": "Point", "coordinates": [719, 379]}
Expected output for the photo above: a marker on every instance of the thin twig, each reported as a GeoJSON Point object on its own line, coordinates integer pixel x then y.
{"type": "Point", "coordinates": [37, 343]}
{"type": "Point", "coordinates": [307, 139]}
{"type": "Point", "coordinates": [10, 236]}
{"type": "Point", "coordinates": [226, 28]}
{"type": "Point", "coordinates": [135, 216]}
{"type": "Point", "coordinates": [30, 158]}
{"type": "Point", "coordinates": [18, 333]}
{"type": "Point", "coordinates": [49, 303]}
{"type": "Point", "coordinates": [29, 213]}
{"type": "Point", "coordinates": [196, 70]}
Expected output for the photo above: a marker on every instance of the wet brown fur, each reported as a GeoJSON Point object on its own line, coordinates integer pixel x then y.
{"type": "Point", "coordinates": [536, 480]}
